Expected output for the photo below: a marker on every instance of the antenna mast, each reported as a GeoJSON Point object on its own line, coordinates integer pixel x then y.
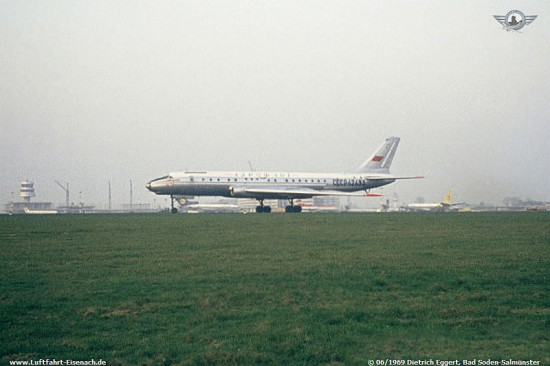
{"type": "Point", "coordinates": [110, 202]}
{"type": "Point", "coordinates": [131, 196]}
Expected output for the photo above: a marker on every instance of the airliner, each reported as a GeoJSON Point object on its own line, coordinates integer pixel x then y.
{"type": "Point", "coordinates": [444, 205]}
{"type": "Point", "coordinates": [373, 173]}
{"type": "Point", "coordinates": [221, 206]}
{"type": "Point", "coordinates": [214, 207]}
{"type": "Point", "coordinates": [39, 212]}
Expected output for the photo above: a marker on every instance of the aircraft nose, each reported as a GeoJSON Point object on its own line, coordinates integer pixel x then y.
{"type": "Point", "coordinates": [148, 186]}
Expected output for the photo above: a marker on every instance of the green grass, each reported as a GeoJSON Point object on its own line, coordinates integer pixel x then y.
{"type": "Point", "coordinates": [274, 289]}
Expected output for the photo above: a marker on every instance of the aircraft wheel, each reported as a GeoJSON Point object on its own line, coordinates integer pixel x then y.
{"type": "Point", "coordinates": [293, 209]}
{"type": "Point", "coordinates": [263, 209]}
{"type": "Point", "coordinates": [174, 210]}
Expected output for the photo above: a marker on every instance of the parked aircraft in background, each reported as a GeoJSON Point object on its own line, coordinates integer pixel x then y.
{"type": "Point", "coordinates": [374, 172]}
{"type": "Point", "coordinates": [444, 205]}
{"type": "Point", "coordinates": [308, 205]}
{"type": "Point", "coordinates": [220, 206]}
{"type": "Point", "coordinates": [39, 212]}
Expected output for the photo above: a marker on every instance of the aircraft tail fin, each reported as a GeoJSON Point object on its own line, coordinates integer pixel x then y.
{"type": "Point", "coordinates": [381, 159]}
{"type": "Point", "coordinates": [448, 201]}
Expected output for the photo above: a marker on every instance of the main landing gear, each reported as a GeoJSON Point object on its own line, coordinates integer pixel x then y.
{"type": "Point", "coordinates": [291, 208]}
{"type": "Point", "coordinates": [261, 208]}
{"type": "Point", "coordinates": [267, 209]}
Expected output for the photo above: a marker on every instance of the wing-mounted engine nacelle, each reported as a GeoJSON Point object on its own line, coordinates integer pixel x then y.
{"type": "Point", "coordinates": [238, 192]}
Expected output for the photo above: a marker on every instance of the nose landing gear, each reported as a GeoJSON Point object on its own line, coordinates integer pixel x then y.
{"type": "Point", "coordinates": [173, 210]}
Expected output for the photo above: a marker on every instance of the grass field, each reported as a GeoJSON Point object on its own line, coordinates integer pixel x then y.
{"type": "Point", "coordinates": [275, 289]}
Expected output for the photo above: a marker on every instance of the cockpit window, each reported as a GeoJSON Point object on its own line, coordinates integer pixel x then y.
{"type": "Point", "coordinates": [161, 178]}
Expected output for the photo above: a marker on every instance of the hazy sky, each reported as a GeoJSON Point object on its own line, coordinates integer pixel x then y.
{"type": "Point", "coordinates": [98, 91]}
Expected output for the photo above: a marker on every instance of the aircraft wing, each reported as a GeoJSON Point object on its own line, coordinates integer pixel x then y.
{"type": "Point", "coordinates": [293, 192]}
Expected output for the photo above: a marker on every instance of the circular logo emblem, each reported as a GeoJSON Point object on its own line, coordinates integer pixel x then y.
{"type": "Point", "coordinates": [515, 20]}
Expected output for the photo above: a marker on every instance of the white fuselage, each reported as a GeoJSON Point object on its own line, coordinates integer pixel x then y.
{"type": "Point", "coordinates": [40, 212]}
{"type": "Point", "coordinates": [260, 185]}
{"type": "Point", "coordinates": [425, 206]}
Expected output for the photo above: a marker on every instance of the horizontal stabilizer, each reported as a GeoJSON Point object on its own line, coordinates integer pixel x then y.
{"type": "Point", "coordinates": [382, 177]}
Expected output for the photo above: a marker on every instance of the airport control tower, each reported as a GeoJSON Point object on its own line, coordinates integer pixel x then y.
{"type": "Point", "coordinates": [27, 191]}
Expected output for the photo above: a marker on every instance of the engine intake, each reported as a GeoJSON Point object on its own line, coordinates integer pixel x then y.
{"type": "Point", "coordinates": [238, 192]}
